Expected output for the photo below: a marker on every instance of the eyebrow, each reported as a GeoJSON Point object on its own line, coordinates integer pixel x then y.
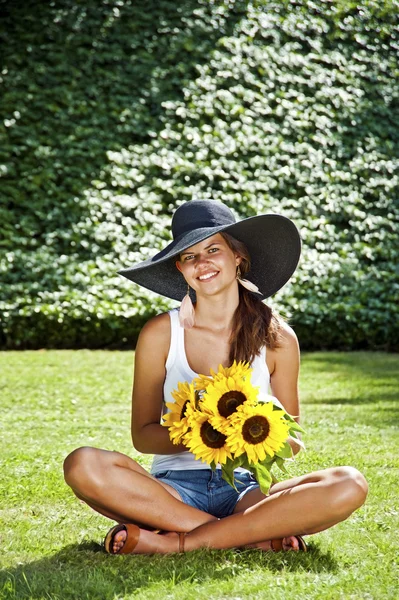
{"type": "Point", "coordinates": [206, 248]}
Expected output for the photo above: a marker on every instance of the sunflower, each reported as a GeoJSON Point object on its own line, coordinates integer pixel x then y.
{"type": "Point", "coordinates": [240, 369]}
{"type": "Point", "coordinates": [222, 398]}
{"type": "Point", "coordinates": [257, 431]}
{"type": "Point", "coordinates": [180, 410]}
{"type": "Point", "coordinates": [237, 369]}
{"type": "Point", "coordinates": [205, 442]}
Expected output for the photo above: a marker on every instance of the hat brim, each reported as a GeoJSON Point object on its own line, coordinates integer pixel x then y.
{"type": "Point", "coordinates": [272, 240]}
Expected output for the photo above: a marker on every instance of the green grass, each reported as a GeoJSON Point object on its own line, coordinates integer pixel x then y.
{"type": "Point", "coordinates": [55, 401]}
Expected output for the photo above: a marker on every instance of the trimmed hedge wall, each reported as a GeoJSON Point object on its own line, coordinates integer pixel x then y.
{"type": "Point", "coordinates": [114, 112]}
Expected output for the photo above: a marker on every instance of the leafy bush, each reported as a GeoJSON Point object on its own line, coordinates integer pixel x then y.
{"type": "Point", "coordinates": [115, 112]}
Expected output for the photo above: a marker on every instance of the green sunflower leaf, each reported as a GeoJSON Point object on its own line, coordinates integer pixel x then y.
{"type": "Point", "coordinates": [285, 451]}
{"type": "Point", "coordinates": [228, 470]}
{"type": "Point", "coordinates": [228, 475]}
{"type": "Point", "coordinates": [244, 462]}
{"type": "Point", "coordinates": [294, 426]}
{"type": "Point", "coordinates": [280, 462]}
{"type": "Point", "coordinates": [263, 476]}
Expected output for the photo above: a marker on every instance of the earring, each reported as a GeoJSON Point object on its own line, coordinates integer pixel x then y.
{"type": "Point", "coordinates": [245, 283]}
{"type": "Point", "coordinates": [186, 311]}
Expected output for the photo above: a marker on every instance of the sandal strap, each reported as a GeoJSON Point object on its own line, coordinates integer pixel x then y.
{"type": "Point", "coordinates": [277, 545]}
{"type": "Point", "coordinates": [182, 536]}
{"type": "Point", "coordinates": [302, 543]}
{"type": "Point", "coordinates": [133, 534]}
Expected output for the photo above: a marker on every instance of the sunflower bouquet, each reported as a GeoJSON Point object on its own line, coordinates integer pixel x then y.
{"type": "Point", "coordinates": [222, 420]}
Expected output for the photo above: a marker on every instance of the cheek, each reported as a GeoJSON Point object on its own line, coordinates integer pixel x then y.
{"type": "Point", "coordinates": [185, 269]}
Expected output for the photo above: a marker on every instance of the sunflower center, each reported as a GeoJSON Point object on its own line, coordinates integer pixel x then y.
{"type": "Point", "coordinates": [212, 437]}
{"type": "Point", "coordinates": [255, 429]}
{"type": "Point", "coordinates": [228, 403]}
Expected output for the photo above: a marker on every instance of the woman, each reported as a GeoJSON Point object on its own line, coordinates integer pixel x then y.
{"type": "Point", "coordinates": [182, 505]}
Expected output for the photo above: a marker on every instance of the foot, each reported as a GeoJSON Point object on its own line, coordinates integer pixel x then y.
{"type": "Point", "coordinates": [148, 542]}
{"type": "Point", "coordinates": [291, 544]}
{"type": "Point", "coordinates": [287, 544]}
{"type": "Point", "coordinates": [118, 541]}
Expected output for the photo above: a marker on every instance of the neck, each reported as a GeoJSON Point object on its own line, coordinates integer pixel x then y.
{"type": "Point", "coordinates": [216, 312]}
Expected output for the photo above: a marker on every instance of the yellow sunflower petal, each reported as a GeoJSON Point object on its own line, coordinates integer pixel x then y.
{"type": "Point", "coordinates": [177, 419]}
{"type": "Point", "coordinates": [224, 396]}
{"type": "Point", "coordinates": [205, 442]}
{"type": "Point", "coordinates": [257, 431]}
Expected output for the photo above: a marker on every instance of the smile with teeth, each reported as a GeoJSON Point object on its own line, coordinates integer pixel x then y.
{"type": "Point", "coordinates": [207, 276]}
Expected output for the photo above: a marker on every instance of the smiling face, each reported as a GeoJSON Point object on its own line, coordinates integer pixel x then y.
{"type": "Point", "coordinates": [209, 266]}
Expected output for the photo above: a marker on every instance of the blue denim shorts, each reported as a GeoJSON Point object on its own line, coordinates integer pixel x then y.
{"type": "Point", "coordinates": [205, 489]}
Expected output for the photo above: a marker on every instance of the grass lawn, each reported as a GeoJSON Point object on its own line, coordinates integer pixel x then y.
{"type": "Point", "coordinates": [55, 401]}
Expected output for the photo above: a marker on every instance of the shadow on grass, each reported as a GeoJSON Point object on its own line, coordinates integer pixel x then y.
{"type": "Point", "coordinates": [378, 365]}
{"type": "Point", "coordinates": [371, 398]}
{"type": "Point", "coordinates": [85, 571]}
{"type": "Point", "coordinates": [364, 380]}
{"type": "Point", "coordinates": [375, 411]}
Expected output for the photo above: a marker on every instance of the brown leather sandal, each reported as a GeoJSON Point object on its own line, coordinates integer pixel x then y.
{"type": "Point", "coordinates": [277, 545]}
{"type": "Point", "coordinates": [182, 537]}
{"type": "Point", "coordinates": [132, 538]}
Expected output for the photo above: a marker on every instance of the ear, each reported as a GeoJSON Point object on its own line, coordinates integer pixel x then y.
{"type": "Point", "coordinates": [238, 259]}
{"type": "Point", "coordinates": [178, 265]}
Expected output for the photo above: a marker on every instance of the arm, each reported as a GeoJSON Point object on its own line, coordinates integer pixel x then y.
{"type": "Point", "coordinates": [284, 375]}
{"type": "Point", "coordinates": [148, 435]}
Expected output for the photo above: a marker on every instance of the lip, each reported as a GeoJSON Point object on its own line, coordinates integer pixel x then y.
{"type": "Point", "coordinates": [210, 276]}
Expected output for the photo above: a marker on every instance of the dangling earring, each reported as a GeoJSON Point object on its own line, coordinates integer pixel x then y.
{"type": "Point", "coordinates": [186, 312]}
{"type": "Point", "coordinates": [245, 283]}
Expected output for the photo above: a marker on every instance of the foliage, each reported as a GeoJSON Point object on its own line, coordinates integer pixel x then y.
{"type": "Point", "coordinates": [116, 111]}
{"type": "Point", "coordinates": [53, 402]}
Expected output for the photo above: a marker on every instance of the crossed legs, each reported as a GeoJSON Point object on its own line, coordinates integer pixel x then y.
{"type": "Point", "coordinates": [117, 487]}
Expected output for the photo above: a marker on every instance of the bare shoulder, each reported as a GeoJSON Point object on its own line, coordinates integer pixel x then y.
{"type": "Point", "coordinates": [159, 325]}
{"type": "Point", "coordinates": [289, 340]}
{"type": "Point", "coordinates": [287, 352]}
{"type": "Point", "coordinates": [156, 333]}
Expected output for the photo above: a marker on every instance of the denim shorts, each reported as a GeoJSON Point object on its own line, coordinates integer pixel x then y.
{"type": "Point", "coordinates": [205, 489]}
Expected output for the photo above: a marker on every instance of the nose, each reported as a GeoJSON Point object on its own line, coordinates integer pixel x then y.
{"type": "Point", "coordinates": [201, 259]}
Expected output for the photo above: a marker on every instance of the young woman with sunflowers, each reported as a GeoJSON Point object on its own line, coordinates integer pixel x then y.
{"type": "Point", "coordinates": [183, 504]}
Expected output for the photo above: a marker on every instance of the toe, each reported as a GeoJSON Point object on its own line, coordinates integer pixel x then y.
{"type": "Point", "coordinates": [119, 540]}
{"type": "Point", "coordinates": [291, 544]}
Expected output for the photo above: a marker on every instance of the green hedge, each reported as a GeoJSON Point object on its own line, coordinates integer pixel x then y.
{"type": "Point", "coordinates": [114, 112]}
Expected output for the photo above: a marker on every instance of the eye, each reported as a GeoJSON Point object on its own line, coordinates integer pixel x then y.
{"type": "Point", "coordinates": [188, 257]}
{"type": "Point", "coordinates": [213, 250]}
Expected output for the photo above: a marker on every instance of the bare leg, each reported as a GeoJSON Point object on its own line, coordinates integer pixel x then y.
{"type": "Point", "coordinates": [300, 506]}
{"type": "Point", "coordinates": [108, 482]}
{"type": "Point", "coordinates": [117, 487]}
{"type": "Point", "coordinates": [256, 496]}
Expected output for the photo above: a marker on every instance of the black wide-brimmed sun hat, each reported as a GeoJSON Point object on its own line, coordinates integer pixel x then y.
{"type": "Point", "coordinates": [272, 240]}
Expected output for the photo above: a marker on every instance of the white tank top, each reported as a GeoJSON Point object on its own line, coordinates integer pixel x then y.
{"type": "Point", "coordinates": [178, 369]}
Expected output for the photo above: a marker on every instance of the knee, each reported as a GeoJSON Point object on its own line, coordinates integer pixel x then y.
{"type": "Point", "coordinates": [79, 466]}
{"type": "Point", "coordinates": [350, 490]}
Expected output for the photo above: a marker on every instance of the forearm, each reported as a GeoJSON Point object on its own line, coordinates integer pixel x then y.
{"type": "Point", "coordinates": [154, 439]}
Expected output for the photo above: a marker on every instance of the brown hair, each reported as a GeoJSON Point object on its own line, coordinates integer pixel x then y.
{"type": "Point", "coordinates": [254, 323]}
